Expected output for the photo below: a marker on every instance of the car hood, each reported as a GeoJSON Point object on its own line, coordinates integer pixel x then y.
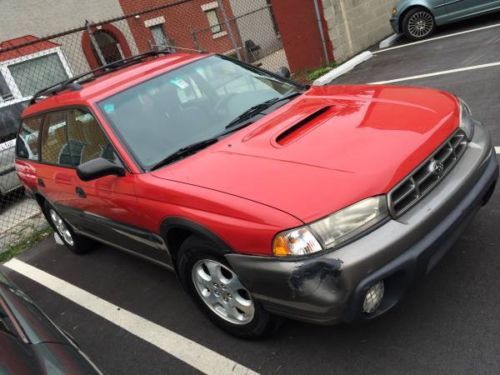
{"type": "Point", "coordinates": [325, 150]}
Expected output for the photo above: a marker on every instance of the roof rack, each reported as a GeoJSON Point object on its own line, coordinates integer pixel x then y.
{"type": "Point", "coordinates": [73, 83]}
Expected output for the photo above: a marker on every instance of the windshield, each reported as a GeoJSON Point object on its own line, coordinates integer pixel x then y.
{"type": "Point", "coordinates": [188, 105]}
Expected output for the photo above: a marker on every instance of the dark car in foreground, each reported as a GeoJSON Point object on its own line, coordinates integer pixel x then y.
{"type": "Point", "coordinates": [418, 19]}
{"type": "Point", "coordinates": [30, 343]}
{"type": "Point", "coordinates": [266, 197]}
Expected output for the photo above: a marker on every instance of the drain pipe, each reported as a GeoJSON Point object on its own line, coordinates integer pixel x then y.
{"type": "Point", "coordinates": [321, 31]}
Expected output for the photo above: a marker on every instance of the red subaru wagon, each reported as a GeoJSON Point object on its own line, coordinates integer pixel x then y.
{"type": "Point", "coordinates": [267, 198]}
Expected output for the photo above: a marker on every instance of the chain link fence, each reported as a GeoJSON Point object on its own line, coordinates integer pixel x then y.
{"type": "Point", "coordinates": [29, 62]}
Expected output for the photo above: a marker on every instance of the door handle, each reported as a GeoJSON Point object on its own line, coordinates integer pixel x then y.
{"type": "Point", "coordinates": [40, 182]}
{"type": "Point", "coordinates": [80, 192]}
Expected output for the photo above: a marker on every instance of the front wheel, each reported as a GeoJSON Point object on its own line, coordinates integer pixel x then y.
{"type": "Point", "coordinates": [418, 24]}
{"type": "Point", "coordinates": [219, 293]}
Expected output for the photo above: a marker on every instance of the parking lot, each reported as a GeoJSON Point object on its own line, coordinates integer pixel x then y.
{"type": "Point", "coordinates": [132, 317]}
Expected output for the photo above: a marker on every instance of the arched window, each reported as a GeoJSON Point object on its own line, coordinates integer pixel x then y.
{"type": "Point", "coordinates": [109, 47]}
{"type": "Point", "coordinates": [112, 45]}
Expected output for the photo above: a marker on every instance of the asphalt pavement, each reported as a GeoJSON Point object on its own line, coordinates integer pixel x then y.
{"type": "Point", "coordinates": [449, 323]}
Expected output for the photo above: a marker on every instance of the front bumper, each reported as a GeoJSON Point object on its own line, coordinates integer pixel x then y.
{"type": "Point", "coordinates": [330, 287]}
{"type": "Point", "coordinates": [395, 24]}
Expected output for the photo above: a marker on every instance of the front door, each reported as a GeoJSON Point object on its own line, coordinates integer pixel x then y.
{"type": "Point", "coordinates": [104, 209]}
{"type": "Point", "coordinates": [107, 207]}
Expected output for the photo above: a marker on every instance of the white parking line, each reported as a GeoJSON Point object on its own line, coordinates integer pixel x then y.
{"type": "Point", "coordinates": [188, 351]}
{"type": "Point", "coordinates": [438, 38]}
{"type": "Point", "coordinates": [497, 149]}
{"type": "Point", "coordinates": [441, 73]}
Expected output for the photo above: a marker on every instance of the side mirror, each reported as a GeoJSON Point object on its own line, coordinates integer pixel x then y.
{"type": "Point", "coordinates": [283, 72]}
{"type": "Point", "coordinates": [97, 168]}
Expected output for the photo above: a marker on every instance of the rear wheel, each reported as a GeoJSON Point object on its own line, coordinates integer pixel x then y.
{"type": "Point", "coordinates": [76, 243]}
{"type": "Point", "coordinates": [418, 24]}
{"type": "Point", "coordinates": [219, 293]}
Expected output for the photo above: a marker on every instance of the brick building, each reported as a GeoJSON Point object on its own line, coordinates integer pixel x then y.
{"type": "Point", "coordinates": [195, 24]}
{"type": "Point", "coordinates": [91, 33]}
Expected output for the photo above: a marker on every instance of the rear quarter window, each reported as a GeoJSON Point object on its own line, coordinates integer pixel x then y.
{"type": "Point", "coordinates": [28, 145]}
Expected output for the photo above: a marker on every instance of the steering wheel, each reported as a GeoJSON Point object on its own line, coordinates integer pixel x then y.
{"type": "Point", "coordinates": [221, 106]}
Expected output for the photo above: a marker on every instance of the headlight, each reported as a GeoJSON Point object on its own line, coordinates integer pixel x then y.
{"type": "Point", "coordinates": [466, 121]}
{"type": "Point", "coordinates": [333, 230]}
{"type": "Point", "coordinates": [394, 11]}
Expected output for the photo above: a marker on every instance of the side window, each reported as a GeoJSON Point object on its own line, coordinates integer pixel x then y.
{"type": "Point", "coordinates": [55, 148]}
{"type": "Point", "coordinates": [27, 143]}
{"type": "Point", "coordinates": [86, 139]}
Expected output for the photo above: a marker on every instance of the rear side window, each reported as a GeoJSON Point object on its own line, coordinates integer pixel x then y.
{"type": "Point", "coordinates": [55, 148]}
{"type": "Point", "coordinates": [27, 145]}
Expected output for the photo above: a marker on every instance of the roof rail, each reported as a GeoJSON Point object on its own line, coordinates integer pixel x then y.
{"type": "Point", "coordinates": [73, 84]}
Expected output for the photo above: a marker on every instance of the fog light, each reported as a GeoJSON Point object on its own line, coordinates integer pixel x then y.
{"type": "Point", "coordinates": [373, 298]}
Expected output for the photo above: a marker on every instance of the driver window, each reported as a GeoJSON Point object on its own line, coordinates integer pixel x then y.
{"type": "Point", "coordinates": [86, 140]}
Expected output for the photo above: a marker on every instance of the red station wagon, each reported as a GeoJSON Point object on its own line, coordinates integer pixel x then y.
{"type": "Point", "coordinates": [267, 198]}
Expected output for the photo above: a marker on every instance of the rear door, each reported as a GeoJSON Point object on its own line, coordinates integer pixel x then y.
{"type": "Point", "coordinates": [467, 8]}
{"type": "Point", "coordinates": [28, 151]}
{"type": "Point", "coordinates": [55, 174]}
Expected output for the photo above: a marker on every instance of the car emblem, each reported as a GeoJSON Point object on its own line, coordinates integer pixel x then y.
{"type": "Point", "coordinates": [436, 168]}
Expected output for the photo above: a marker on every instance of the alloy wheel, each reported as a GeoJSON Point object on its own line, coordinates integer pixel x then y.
{"type": "Point", "coordinates": [61, 227]}
{"type": "Point", "coordinates": [420, 24]}
{"type": "Point", "coordinates": [221, 290]}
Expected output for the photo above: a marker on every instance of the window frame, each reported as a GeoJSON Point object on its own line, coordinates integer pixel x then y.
{"type": "Point", "coordinates": [67, 109]}
{"type": "Point", "coordinates": [11, 82]}
{"type": "Point", "coordinates": [5, 84]}
{"type": "Point", "coordinates": [162, 28]}
{"type": "Point", "coordinates": [39, 140]}
{"type": "Point", "coordinates": [218, 25]}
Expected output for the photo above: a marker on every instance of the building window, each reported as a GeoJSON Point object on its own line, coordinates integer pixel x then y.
{"type": "Point", "coordinates": [37, 73]}
{"type": "Point", "coordinates": [109, 47]}
{"type": "Point", "coordinates": [159, 37]}
{"type": "Point", "coordinates": [5, 93]}
{"type": "Point", "coordinates": [213, 21]}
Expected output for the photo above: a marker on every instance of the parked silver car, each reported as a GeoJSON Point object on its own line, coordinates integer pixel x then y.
{"type": "Point", "coordinates": [9, 119]}
{"type": "Point", "coordinates": [417, 19]}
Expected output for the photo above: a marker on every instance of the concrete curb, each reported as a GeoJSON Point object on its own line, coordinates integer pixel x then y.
{"type": "Point", "coordinates": [343, 69]}
{"type": "Point", "coordinates": [389, 41]}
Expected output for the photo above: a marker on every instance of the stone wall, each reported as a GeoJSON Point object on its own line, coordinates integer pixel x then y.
{"type": "Point", "coordinates": [354, 25]}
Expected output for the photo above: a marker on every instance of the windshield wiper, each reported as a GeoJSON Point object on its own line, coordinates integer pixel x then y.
{"type": "Point", "coordinates": [185, 151]}
{"type": "Point", "coordinates": [256, 109]}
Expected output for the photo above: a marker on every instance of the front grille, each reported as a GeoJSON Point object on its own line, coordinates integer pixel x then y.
{"type": "Point", "coordinates": [429, 174]}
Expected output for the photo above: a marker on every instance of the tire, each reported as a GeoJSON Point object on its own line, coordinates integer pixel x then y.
{"type": "Point", "coordinates": [225, 296]}
{"type": "Point", "coordinates": [75, 242]}
{"type": "Point", "coordinates": [418, 24]}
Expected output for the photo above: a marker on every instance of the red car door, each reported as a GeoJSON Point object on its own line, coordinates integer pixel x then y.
{"type": "Point", "coordinates": [107, 206]}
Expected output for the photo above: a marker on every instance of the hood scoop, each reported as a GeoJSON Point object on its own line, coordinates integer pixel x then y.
{"type": "Point", "coordinates": [302, 127]}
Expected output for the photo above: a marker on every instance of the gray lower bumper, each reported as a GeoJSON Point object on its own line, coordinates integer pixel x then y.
{"type": "Point", "coordinates": [329, 288]}
{"type": "Point", "coordinates": [395, 24]}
